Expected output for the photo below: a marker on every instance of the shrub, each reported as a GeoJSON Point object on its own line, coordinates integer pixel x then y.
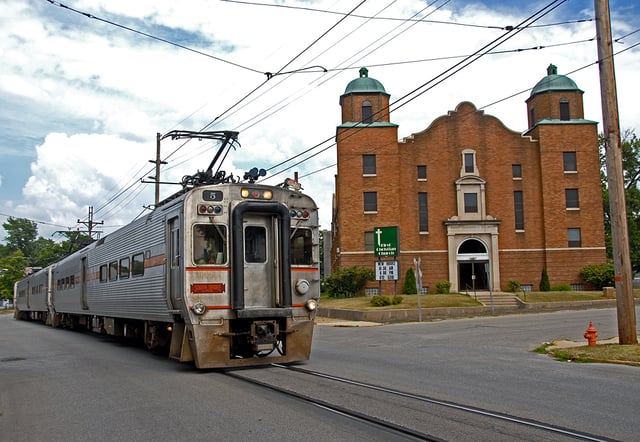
{"type": "Point", "coordinates": [514, 286]}
{"type": "Point", "coordinates": [561, 288]}
{"type": "Point", "coordinates": [381, 300]}
{"type": "Point", "coordinates": [410, 282]}
{"type": "Point", "coordinates": [443, 287]}
{"type": "Point", "coordinates": [348, 282]}
{"type": "Point", "coordinates": [599, 275]}
{"type": "Point", "coordinates": [545, 285]}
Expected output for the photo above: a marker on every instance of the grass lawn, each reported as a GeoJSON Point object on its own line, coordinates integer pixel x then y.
{"type": "Point", "coordinates": [609, 353]}
{"type": "Point", "coordinates": [456, 300]}
{"type": "Point", "coordinates": [408, 302]}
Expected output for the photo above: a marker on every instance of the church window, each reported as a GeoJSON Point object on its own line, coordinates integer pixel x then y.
{"type": "Point", "coordinates": [368, 241]}
{"type": "Point", "coordinates": [569, 160]}
{"type": "Point", "coordinates": [564, 110]}
{"type": "Point", "coordinates": [423, 211]}
{"type": "Point", "coordinates": [571, 197]}
{"type": "Point", "coordinates": [468, 163]}
{"type": "Point", "coordinates": [368, 164]}
{"type": "Point", "coordinates": [516, 170]}
{"type": "Point", "coordinates": [574, 239]}
{"type": "Point", "coordinates": [370, 201]}
{"type": "Point", "coordinates": [470, 203]}
{"type": "Point", "coordinates": [518, 209]}
{"type": "Point", "coordinates": [367, 112]}
{"type": "Point", "coordinates": [422, 172]}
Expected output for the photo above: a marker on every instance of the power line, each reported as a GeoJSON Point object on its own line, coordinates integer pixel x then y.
{"type": "Point", "coordinates": [129, 187]}
{"type": "Point", "coordinates": [127, 28]}
{"type": "Point", "coordinates": [482, 107]}
{"type": "Point", "coordinates": [34, 221]}
{"type": "Point", "coordinates": [515, 94]}
{"type": "Point", "coordinates": [420, 90]}
{"type": "Point", "coordinates": [441, 22]}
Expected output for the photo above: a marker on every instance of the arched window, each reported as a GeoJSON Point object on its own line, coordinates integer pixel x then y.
{"type": "Point", "coordinates": [472, 246]}
{"type": "Point", "coordinates": [367, 113]}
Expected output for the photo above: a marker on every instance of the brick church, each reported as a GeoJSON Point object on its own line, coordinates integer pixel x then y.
{"type": "Point", "coordinates": [478, 203]}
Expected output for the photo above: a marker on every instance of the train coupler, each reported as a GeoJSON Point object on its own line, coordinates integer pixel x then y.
{"type": "Point", "coordinates": [264, 335]}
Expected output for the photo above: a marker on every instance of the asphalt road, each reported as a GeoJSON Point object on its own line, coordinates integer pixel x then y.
{"type": "Point", "coordinates": [487, 363]}
{"type": "Point", "coordinates": [62, 385]}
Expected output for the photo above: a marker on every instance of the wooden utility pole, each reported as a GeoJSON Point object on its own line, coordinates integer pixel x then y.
{"type": "Point", "coordinates": [613, 152]}
{"type": "Point", "coordinates": [90, 223]}
{"type": "Point", "coordinates": [158, 162]}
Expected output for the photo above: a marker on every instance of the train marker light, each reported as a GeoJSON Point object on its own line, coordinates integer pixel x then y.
{"type": "Point", "coordinates": [302, 286]}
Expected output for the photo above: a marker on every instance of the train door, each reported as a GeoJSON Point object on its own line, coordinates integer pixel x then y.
{"type": "Point", "coordinates": [174, 262]}
{"type": "Point", "coordinates": [260, 256]}
{"type": "Point", "coordinates": [261, 264]}
{"type": "Point", "coordinates": [83, 283]}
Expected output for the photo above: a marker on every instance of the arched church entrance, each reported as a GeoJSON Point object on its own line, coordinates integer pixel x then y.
{"type": "Point", "coordinates": [473, 265]}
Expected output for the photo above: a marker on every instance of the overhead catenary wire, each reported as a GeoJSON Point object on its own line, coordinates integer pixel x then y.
{"type": "Point", "coordinates": [145, 34]}
{"type": "Point", "coordinates": [442, 22]}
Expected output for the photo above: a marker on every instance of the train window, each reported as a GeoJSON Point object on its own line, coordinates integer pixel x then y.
{"type": "Point", "coordinates": [138, 265]}
{"type": "Point", "coordinates": [209, 244]}
{"type": "Point", "coordinates": [113, 270]}
{"type": "Point", "coordinates": [124, 268]}
{"type": "Point", "coordinates": [255, 244]}
{"type": "Point", "coordinates": [103, 273]}
{"type": "Point", "coordinates": [301, 247]}
{"type": "Point", "coordinates": [66, 282]}
{"type": "Point", "coordinates": [72, 281]}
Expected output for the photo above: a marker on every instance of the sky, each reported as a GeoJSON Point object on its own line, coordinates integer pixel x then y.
{"type": "Point", "coordinates": [85, 86]}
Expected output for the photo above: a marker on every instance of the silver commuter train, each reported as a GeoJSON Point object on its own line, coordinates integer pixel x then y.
{"type": "Point", "coordinates": [224, 275]}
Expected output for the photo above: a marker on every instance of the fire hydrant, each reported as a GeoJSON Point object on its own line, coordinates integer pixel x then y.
{"type": "Point", "coordinates": [591, 334]}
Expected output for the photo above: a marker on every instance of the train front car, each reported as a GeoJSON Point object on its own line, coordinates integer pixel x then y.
{"type": "Point", "coordinates": [251, 274]}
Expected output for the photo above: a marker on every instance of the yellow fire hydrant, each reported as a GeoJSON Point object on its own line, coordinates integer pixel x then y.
{"type": "Point", "coordinates": [591, 334]}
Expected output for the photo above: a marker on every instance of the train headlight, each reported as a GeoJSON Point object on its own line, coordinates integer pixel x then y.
{"type": "Point", "coordinates": [302, 286]}
{"type": "Point", "coordinates": [311, 304]}
{"type": "Point", "coordinates": [199, 308]}
{"type": "Point", "coordinates": [256, 194]}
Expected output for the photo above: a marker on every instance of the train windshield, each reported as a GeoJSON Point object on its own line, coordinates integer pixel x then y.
{"type": "Point", "coordinates": [301, 247]}
{"type": "Point", "coordinates": [209, 244]}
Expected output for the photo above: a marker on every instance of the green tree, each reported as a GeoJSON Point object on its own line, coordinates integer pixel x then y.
{"type": "Point", "coordinates": [11, 270]}
{"type": "Point", "coordinates": [630, 146]}
{"type": "Point", "coordinates": [348, 282]}
{"type": "Point", "coordinates": [545, 285]}
{"type": "Point", "coordinates": [410, 282]}
{"type": "Point", "coordinates": [599, 275]}
{"type": "Point", "coordinates": [21, 235]}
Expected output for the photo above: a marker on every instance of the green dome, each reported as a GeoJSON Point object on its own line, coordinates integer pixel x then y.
{"type": "Point", "coordinates": [364, 84]}
{"type": "Point", "coordinates": [554, 82]}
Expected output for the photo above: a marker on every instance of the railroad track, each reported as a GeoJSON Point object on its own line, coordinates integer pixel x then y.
{"type": "Point", "coordinates": [405, 414]}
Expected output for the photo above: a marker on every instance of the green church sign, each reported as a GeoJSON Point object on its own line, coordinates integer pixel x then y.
{"type": "Point", "coordinates": [386, 240]}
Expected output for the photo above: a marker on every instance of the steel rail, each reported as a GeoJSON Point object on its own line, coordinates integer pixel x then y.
{"type": "Point", "coordinates": [453, 405]}
{"type": "Point", "coordinates": [351, 414]}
